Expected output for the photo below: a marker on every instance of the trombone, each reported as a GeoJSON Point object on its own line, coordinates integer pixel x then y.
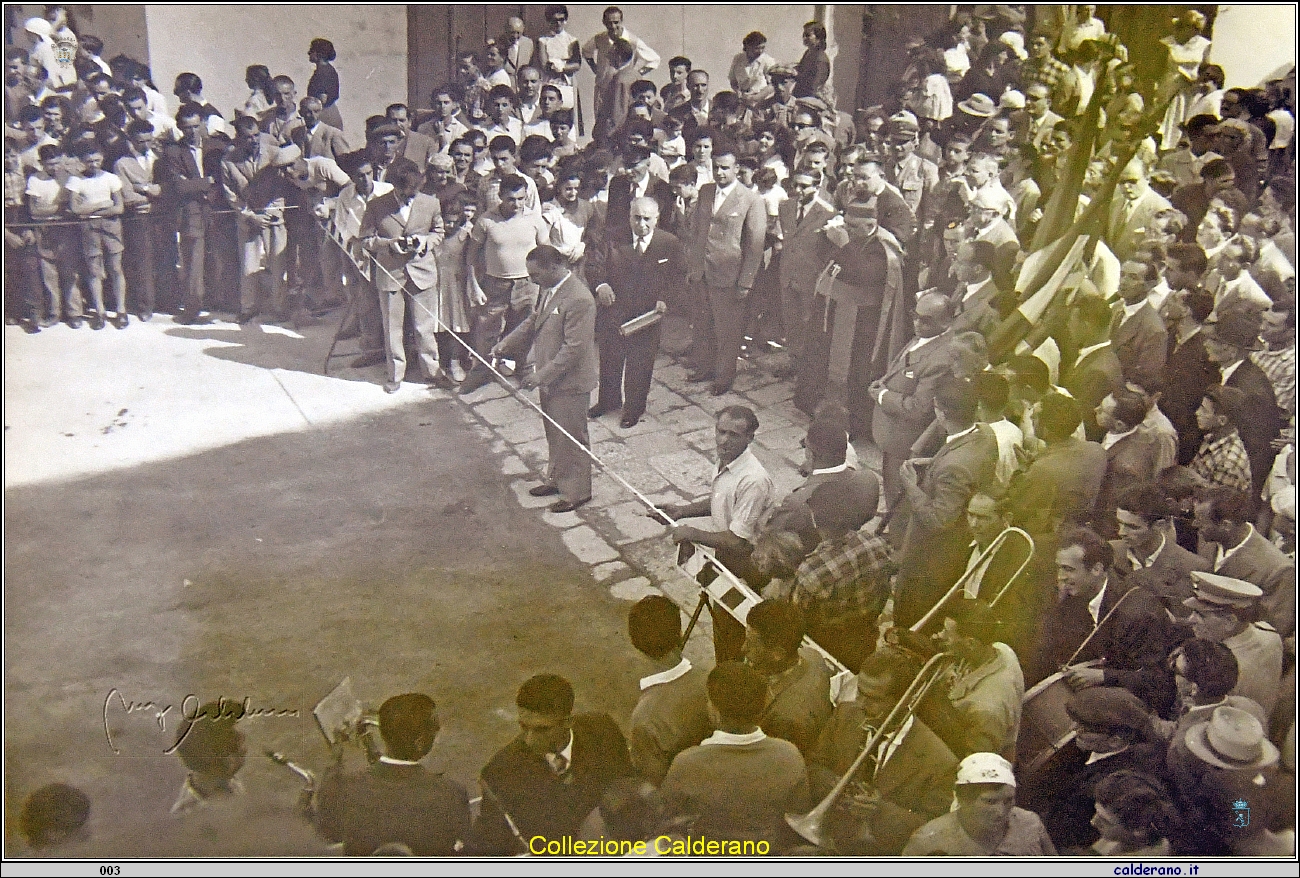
{"type": "Point", "coordinates": [811, 825]}
{"type": "Point", "coordinates": [981, 567]}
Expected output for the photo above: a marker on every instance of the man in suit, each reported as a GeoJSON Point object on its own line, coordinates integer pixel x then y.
{"type": "Point", "coordinates": [315, 137]}
{"type": "Point", "coordinates": [561, 334]}
{"type": "Point", "coordinates": [912, 770]}
{"type": "Point", "coordinates": [549, 778]}
{"type": "Point", "coordinates": [1135, 638]}
{"type": "Point", "coordinates": [638, 276]}
{"type": "Point", "coordinates": [186, 177]}
{"type": "Point", "coordinates": [1131, 453]}
{"type": "Point", "coordinates": [402, 231]}
{"type": "Point", "coordinates": [634, 180]}
{"type": "Point", "coordinates": [694, 113]}
{"type": "Point", "coordinates": [1233, 547]}
{"type": "Point", "coordinates": [396, 799]}
{"type": "Point", "coordinates": [1095, 371]}
{"type": "Point", "coordinates": [975, 300]}
{"type": "Point", "coordinates": [730, 228]}
{"type": "Point", "coordinates": [1187, 366]}
{"type": "Point", "coordinates": [413, 145]}
{"type": "Point", "coordinates": [932, 512]}
{"type": "Point", "coordinates": [803, 256]}
{"type": "Point", "coordinates": [1137, 333]}
{"type": "Point", "coordinates": [1228, 341]}
{"type": "Point", "coordinates": [1132, 211]}
{"type": "Point", "coordinates": [256, 189]}
{"type": "Point", "coordinates": [904, 395]}
{"type": "Point", "coordinates": [1146, 552]}
{"type": "Point", "coordinates": [1062, 481]}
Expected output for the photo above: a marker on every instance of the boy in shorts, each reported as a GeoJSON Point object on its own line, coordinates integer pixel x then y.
{"type": "Point", "coordinates": [96, 196]}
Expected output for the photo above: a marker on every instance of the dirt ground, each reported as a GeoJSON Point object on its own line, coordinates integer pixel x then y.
{"type": "Point", "coordinates": [387, 548]}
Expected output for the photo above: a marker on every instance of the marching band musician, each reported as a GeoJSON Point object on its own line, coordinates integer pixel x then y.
{"type": "Point", "coordinates": [549, 778]}
{"type": "Point", "coordinates": [396, 799]}
{"type": "Point", "coordinates": [987, 696]}
{"type": "Point", "coordinates": [906, 782]}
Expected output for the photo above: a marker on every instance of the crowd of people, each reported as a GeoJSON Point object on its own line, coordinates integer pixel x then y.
{"type": "Point", "coordinates": [1056, 296]}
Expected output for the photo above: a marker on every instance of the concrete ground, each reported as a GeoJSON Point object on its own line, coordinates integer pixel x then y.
{"type": "Point", "coordinates": [199, 511]}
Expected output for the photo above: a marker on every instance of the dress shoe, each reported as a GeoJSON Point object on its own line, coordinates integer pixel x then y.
{"type": "Point", "coordinates": [699, 377]}
{"type": "Point", "coordinates": [74, 323]}
{"type": "Point", "coordinates": [31, 327]}
{"type": "Point", "coordinates": [96, 321]}
{"type": "Point", "coordinates": [374, 358]}
{"type": "Point", "coordinates": [597, 410]}
{"type": "Point", "coordinates": [628, 422]}
{"type": "Point", "coordinates": [543, 491]}
{"type": "Point", "coordinates": [441, 382]}
{"type": "Point", "coordinates": [145, 316]}
{"type": "Point", "coordinates": [244, 318]}
{"type": "Point", "coordinates": [192, 318]}
{"type": "Point", "coordinates": [457, 371]}
{"type": "Point", "coordinates": [567, 505]}
{"type": "Point", "coordinates": [121, 321]}
{"type": "Point", "coordinates": [392, 386]}
{"type": "Point", "coordinates": [47, 322]}
{"type": "Point", "coordinates": [719, 389]}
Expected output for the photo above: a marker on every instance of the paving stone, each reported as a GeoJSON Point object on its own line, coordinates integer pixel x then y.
{"type": "Point", "coordinates": [587, 545]}
{"type": "Point", "coordinates": [630, 522]}
{"type": "Point", "coordinates": [483, 433]}
{"type": "Point", "coordinates": [647, 445]}
{"type": "Point", "coordinates": [769, 420]}
{"type": "Point", "coordinates": [788, 411]}
{"type": "Point", "coordinates": [598, 431]}
{"type": "Point", "coordinates": [534, 453]}
{"type": "Point", "coordinates": [490, 391]}
{"type": "Point", "coordinates": [639, 475]}
{"type": "Point", "coordinates": [633, 589]}
{"type": "Point", "coordinates": [714, 404]}
{"type": "Point", "coordinates": [524, 428]}
{"type": "Point", "coordinates": [561, 520]}
{"type": "Point", "coordinates": [785, 439]}
{"type": "Point", "coordinates": [705, 440]}
{"type": "Point", "coordinates": [511, 465]}
{"type": "Point", "coordinates": [499, 412]}
{"type": "Point", "coordinates": [687, 470]}
{"type": "Point", "coordinates": [602, 572]}
{"type": "Point", "coordinates": [526, 500]}
{"type": "Point", "coordinates": [772, 393]}
{"type": "Point", "coordinates": [687, 419]}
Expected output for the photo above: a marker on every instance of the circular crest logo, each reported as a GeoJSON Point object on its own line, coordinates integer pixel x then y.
{"type": "Point", "coordinates": [65, 49]}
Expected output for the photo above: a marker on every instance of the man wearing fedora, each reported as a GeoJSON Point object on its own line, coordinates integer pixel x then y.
{"type": "Point", "coordinates": [1220, 607]}
{"type": "Point", "coordinates": [1220, 762]}
{"type": "Point", "coordinates": [1228, 343]}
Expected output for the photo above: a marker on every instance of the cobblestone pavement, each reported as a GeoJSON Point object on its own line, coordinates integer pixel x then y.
{"type": "Point", "coordinates": [669, 456]}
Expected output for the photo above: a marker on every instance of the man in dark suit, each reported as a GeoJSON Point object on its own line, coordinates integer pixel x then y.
{"type": "Point", "coordinates": [913, 771]}
{"type": "Point", "coordinates": [904, 395]}
{"type": "Point", "coordinates": [397, 799]}
{"type": "Point", "coordinates": [639, 274]}
{"type": "Point", "coordinates": [1137, 334]}
{"type": "Point", "coordinates": [1130, 453]}
{"type": "Point", "coordinates": [1146, 552]}
{"type": "Point", "coordinates": [730, 228]}
{"type": "Point", "coordinates": [1135, 638]}
{"type": "Point", "coordinates": [1063, 480]}
{"type": "Point", "coordinates": [561, 334]}
{"type": "Point", "coordinates": [406, 264]}
{"type": "Point", "coordinates": [1187, 366]}
{"type": "Point", "coordinates": [1233, 547]}
{"type": "Point", "coordinates": [1094, 371]}
{"type": "Point", "coordinates": [186, 176]}
{"type": "Point", "coordinates": [1228, 341]}
{"type": "Point", "coordinates": [633, 181]}
{"type": "Point", "coordinates": [413, 145]}
{"type": "Point", "coordinates": [549, 778]}
{"type": "Point", "coordinates": [932, 512]}
{"type": "Point", "coordinates": [803, 256]}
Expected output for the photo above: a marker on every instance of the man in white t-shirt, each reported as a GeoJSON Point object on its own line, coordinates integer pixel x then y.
{"type": "Point", "coordinates": [97, 197]}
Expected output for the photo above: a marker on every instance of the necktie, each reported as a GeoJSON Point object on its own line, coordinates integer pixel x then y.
{"type": "Point", "coordinates": [640, 245]}
{"type": "Point", "coordinates": [559, 763]}
{"type": "Point", "coordinates": [799, 215]}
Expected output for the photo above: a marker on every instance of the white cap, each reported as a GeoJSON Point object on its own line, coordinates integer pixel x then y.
{"type": "Point", "coordinates": [39, 27]}
{"type": "Point", "coordinates": [985, 768]}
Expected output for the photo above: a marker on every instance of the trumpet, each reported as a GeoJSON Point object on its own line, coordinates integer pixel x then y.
{"type": "Point", "coordinates": [811, 826]}
{"type": "Point", "coordinates": [980, 567]}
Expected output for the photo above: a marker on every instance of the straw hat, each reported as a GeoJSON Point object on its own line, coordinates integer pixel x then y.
{"type": "Point", "coordinates": [1231, 738]}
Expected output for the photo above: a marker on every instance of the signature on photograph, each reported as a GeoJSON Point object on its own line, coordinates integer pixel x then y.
{"type": "Point", "coordinates": [192, 710]}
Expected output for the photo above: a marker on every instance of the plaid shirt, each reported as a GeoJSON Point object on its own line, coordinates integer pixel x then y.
{"type": "Point", "coordinates": [845, 579]}
{"type": "Point", "coordinates": [1223, 462]}
{"type": "Point", "coordinates": [1279, 366]}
